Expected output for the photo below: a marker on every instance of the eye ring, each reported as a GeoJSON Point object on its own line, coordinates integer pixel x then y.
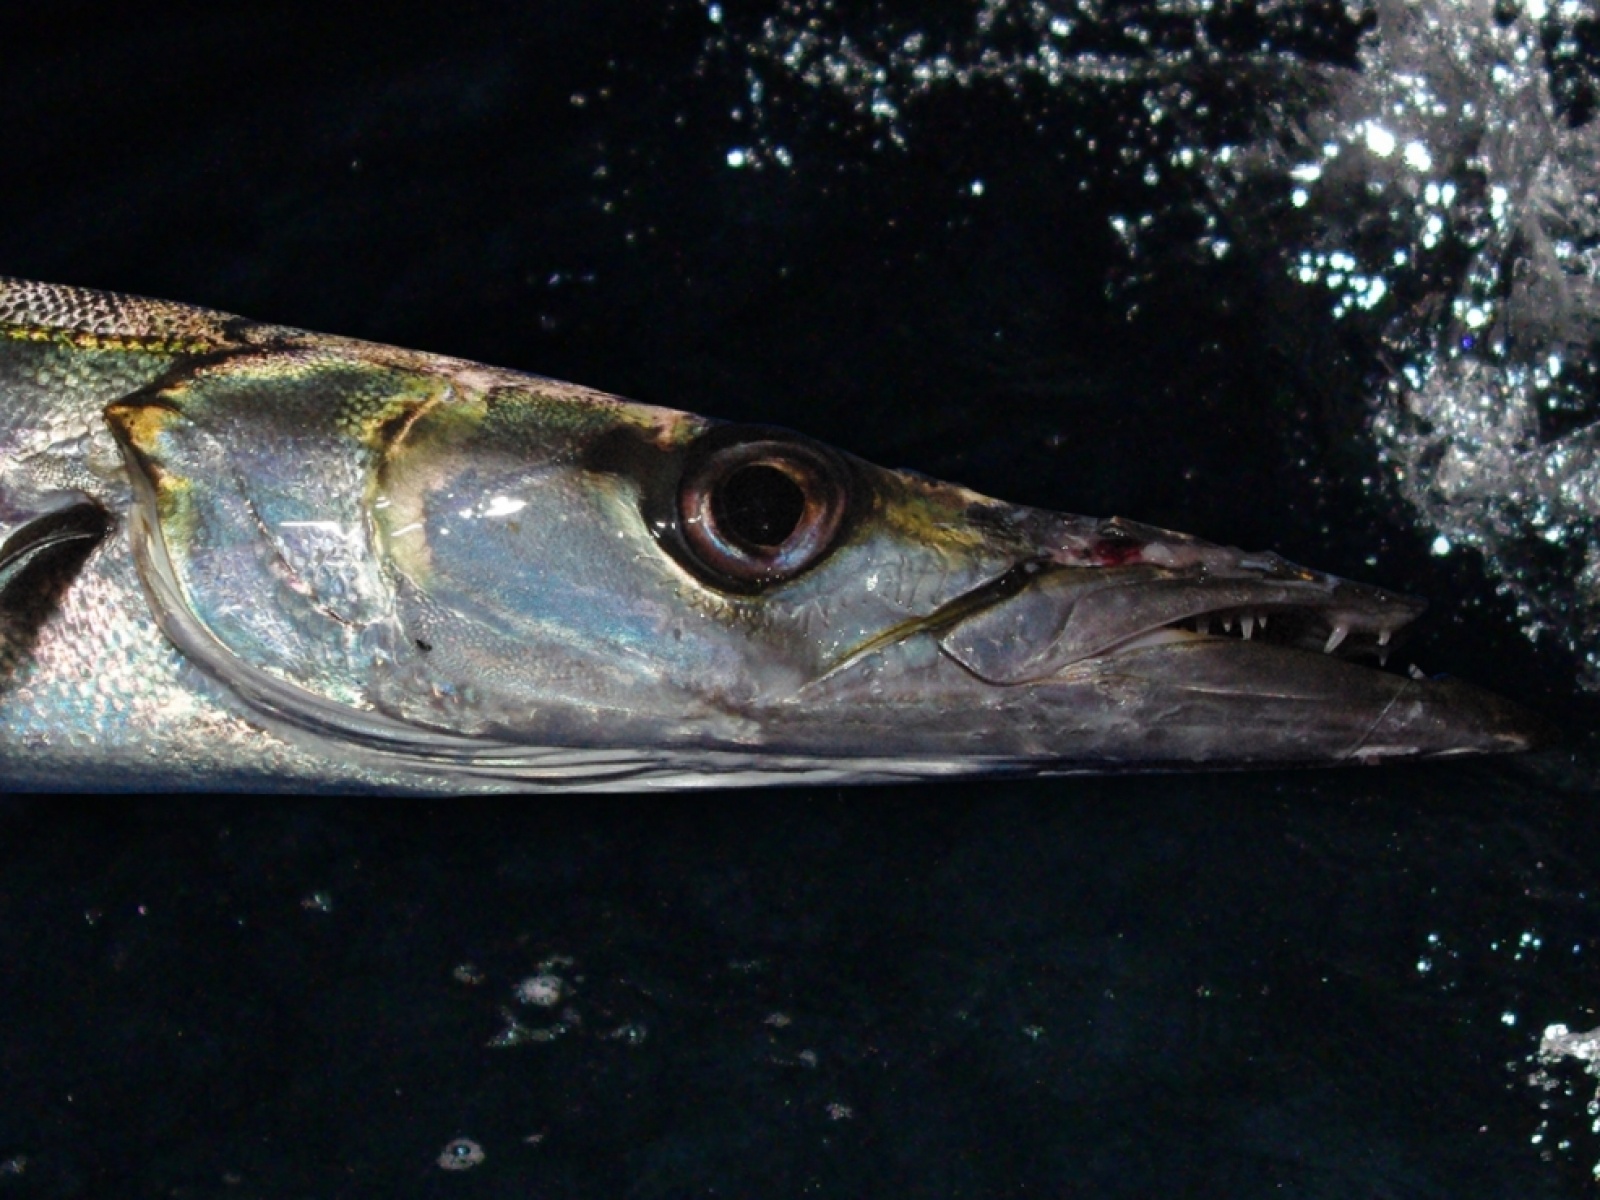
{"type": "Point", "coordinates": [761, 509]}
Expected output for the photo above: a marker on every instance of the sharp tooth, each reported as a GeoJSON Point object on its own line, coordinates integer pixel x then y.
{"type": "Point", "coordinates": [1383, 637]}
{"type": "Point", "coordinates": [1202, 624]}
{"type": "Point", "coordinates": [1247, 623]}
{"type": "Point", "coordinates": [1262, 617]}
{"type": "Point", "coordinates": [1340, 632]}
{"type": "Point", "coordinates": [1415, 672]}
{"type": "Point", "coordinates": [1383, 656]}
{"type": "Point", "coordinates": [1227, 623]}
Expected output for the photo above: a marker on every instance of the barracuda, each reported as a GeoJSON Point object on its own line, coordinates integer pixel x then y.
{"type": "Point", "coordinates": [236, 555]}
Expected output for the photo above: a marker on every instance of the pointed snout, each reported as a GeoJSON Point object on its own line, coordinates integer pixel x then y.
{"type": "Point", "coordinates": [1217, 701]}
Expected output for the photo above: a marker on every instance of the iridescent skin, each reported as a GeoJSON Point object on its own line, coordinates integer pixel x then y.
{"type": "Point", "coordinates": [239, 555]}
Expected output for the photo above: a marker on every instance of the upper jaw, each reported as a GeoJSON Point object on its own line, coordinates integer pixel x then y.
{"type": "Point", "coordinates": [1088, 597]}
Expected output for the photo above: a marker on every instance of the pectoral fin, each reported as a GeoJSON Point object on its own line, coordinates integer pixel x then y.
{"type": "Point", "coordinates": [44, 541]}
{"type": "Point", "coordinates": [56, 527]}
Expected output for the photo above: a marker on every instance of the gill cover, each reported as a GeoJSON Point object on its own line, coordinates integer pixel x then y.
{"type": "Point", "coordinates": [416, 557]}
{"type": "Point", "coordinates": [252, 481]}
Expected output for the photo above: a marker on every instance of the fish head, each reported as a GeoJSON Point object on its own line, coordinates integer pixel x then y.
{"type": "Point", "coordinates": [512, 563]}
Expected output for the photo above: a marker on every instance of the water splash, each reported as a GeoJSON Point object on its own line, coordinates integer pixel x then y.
{"type": "Point", "coordinates": [1428, 170]}
{"type": "Point", "coordinates": [1482, 173]}
{"type": "Point", "coordinates": [1556, 1045]}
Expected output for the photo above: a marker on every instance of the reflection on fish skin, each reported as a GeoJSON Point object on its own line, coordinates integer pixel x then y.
{"type": "Point", "coordinates": [236, 555]}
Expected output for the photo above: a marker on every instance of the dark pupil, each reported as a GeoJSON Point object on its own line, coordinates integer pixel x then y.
{"type": "Point", "coordinates": [758, 505]}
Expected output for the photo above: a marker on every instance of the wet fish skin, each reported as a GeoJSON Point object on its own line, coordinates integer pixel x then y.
{"type": "Point", "coordinates": [239, 555]}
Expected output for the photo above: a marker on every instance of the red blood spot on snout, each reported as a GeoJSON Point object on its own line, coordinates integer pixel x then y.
{"type": "Point", "coordinates": [1115, 552]}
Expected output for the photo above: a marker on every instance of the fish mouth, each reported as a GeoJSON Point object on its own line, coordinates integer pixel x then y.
{"type": "Point", "coordinates": [1193, 654]}
{"type": "Point", "coordinates": [1041, 618]}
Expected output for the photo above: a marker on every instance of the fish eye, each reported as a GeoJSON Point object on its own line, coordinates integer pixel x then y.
{"type": "Point", "coordinates": [760, 509]}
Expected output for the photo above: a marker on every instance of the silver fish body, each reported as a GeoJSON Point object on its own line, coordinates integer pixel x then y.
{"type": "Point", "coordinates": [236, 555]}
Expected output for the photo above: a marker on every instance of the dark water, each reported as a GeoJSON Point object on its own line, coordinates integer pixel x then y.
{"type": "Point", "coordinates": [1310, 984]}
{"type": "Point", "coordinates": [1200, 987]}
